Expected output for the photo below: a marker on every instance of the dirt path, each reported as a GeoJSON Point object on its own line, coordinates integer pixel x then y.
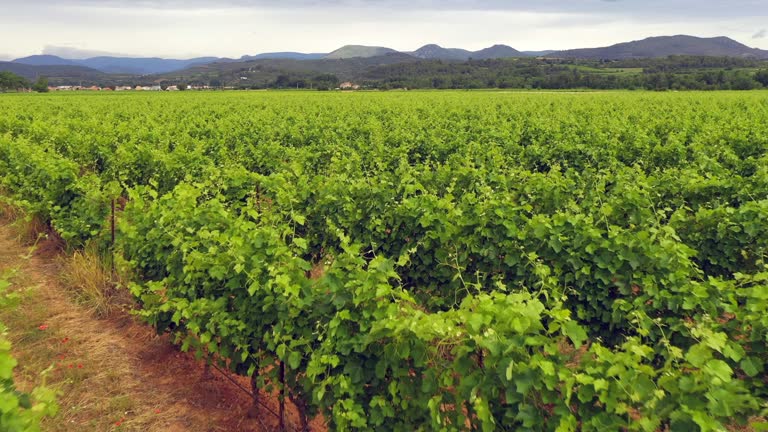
{"type": "Point", "coordinates": [112, 374]}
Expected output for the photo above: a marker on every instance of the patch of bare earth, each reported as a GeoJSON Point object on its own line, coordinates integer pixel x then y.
{"type": "Point", "coordinates": [112, 374]}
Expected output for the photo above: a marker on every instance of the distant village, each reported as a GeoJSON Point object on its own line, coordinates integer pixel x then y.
{"type": "Point", "coordinates": [342, 86]}
{"type": "Point", "coordinates": [127, 88]}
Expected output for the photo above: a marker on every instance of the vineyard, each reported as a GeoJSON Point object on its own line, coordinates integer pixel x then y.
{"type": "Point", "coordinates": [431, 261]}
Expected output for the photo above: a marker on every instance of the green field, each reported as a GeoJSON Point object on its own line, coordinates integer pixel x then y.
{"type": "Point", "coordinates": [436, 260]}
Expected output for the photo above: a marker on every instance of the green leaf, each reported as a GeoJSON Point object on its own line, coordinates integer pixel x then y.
{"type": "Point", "coordinates": [7, 363]}
{"type": "Point", "coordinates": [294, 359]}
{"type": "Point", "coordinates": [698, 354]}
{"type": "Point", "coordinates": [475, 322]}
{"type": "Point", "coordinates": [510, 369]}
{"type": "Point", "coordinates": [575, 332]}
{"type": "Point", "coordinates": [252, 288]}
{"type": "Point", "coordinates": [300, 242]}
{"type": "Point", "coordinates": [720, 369]}
{"type": "Point", "coordinates": [547, 367]}
{"type": "Point", "coordinates": [299, 219]}
{"type": "Point", "coordinates": [751, 366]}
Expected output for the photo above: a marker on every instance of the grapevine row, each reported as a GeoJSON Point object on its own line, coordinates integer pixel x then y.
{"type": "Point", "coordinates": [433, 261]}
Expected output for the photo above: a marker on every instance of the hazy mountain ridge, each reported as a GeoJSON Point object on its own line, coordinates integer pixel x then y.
{"type": "Point", "coordinates": [71, 73]}
{"type": "Point", "coordinates": [155, 65]}
{"type": "Point", "coordinates": [284, 55]}
{"type": "Point", "coordinates": [44, 60]}
{"type": "Point", "coordinates": [538, 53]}
{"type": "Point", "coordinates": [663, 46]}
{"type": "Point", "coordinates": [119, 65]}
{"type": "Point", "coordinates": [360, 56]}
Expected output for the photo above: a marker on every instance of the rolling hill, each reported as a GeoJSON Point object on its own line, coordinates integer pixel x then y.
{"type": "Point", "coordinates": [256, 71]}
{"type": "Point", "coordinates": [34, 71]}
{"type": "Point", "coordinates": [45, 60]}
{"type": "Point", "coordinates": [58, 74]}
{"type": "Point", "coordinates": [354, 51]}
{"type": "Point", "coordinates": [663, 46]}
{"type": "Point", "coordinates": [436, 52]}
{"type": "Point", "coordinates": [497, 51]}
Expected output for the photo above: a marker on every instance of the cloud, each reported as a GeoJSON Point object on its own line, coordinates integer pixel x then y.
{"type": "Point", "coordinates": [680, 8]}
{"type": "Point", "coordinates": [75, 53]}
{"type": "Point", "coordinates": [760, 34]}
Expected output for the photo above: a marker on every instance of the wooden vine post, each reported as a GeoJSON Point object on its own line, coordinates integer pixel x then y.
{"type": "Point", "coordinates": [282, 397]}
{"type": "Point", "coordinates": [113, 237]}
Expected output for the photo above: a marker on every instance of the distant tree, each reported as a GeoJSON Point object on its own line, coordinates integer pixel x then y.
{"type": "Point", "coordinates": [325, 82]}
{"type": "Point", "coordinates": [163, 87]}
{"type": "Point", "coordinates": [438, 82]}
{"type": "Point", "coordinates": [41, 85]}
{"type": "Point", "coordinates": [215, 83]}
{"type": "Point", "coordinates": [742, 81]}
{"type": "Point", "coordinates": [181, 86]}
{"type": "Point", "coordinates": [11, 81]}
{"type": "Point", "coordinates": [762, 77]}
{"type": "Point", "coordinates": [282, 81]}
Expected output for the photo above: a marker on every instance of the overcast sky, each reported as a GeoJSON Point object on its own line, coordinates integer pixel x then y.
{"type": "Point", "coordinates": [232, 28]}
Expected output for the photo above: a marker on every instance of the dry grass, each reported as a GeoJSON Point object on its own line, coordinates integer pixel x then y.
{"type": "Point", "coordinates": [31, 229]}
{"type": "Point", "coordinates": [110, 374]}
{"type": "Point", "coordinates": [90, 281]}
{"type": "Point", "coordinates": [8, 212]}
{"type": "Point", "coordinates": [89, 365]}
{"type": "Point", "coordinates": [95, 390]}
{"type": "Point", "coordinates": [48, 334]}
{"type": "Point", "coordinates": [83, 273]}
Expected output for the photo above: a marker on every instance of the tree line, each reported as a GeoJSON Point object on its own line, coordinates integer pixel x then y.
{"type": "Point", "coordinates": [672, 73]}
{"type": "Point", "coordinates": [12, 82]}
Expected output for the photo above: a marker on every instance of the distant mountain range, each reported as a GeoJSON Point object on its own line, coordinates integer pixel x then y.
{"type": "Point", "coordinates": [151, 66]}
{"type": "Point", "coordinates": [119, 65]}
{"type": "Point", "coordinates": [664, 46]}
{"type": "Point", "coordinates": [647, 48]}
{"type": "Point", "coordinates": [64, 72]}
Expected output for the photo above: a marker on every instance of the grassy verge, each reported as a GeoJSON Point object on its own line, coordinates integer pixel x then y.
{"type": "Point", "coordinates": [94, 385]}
